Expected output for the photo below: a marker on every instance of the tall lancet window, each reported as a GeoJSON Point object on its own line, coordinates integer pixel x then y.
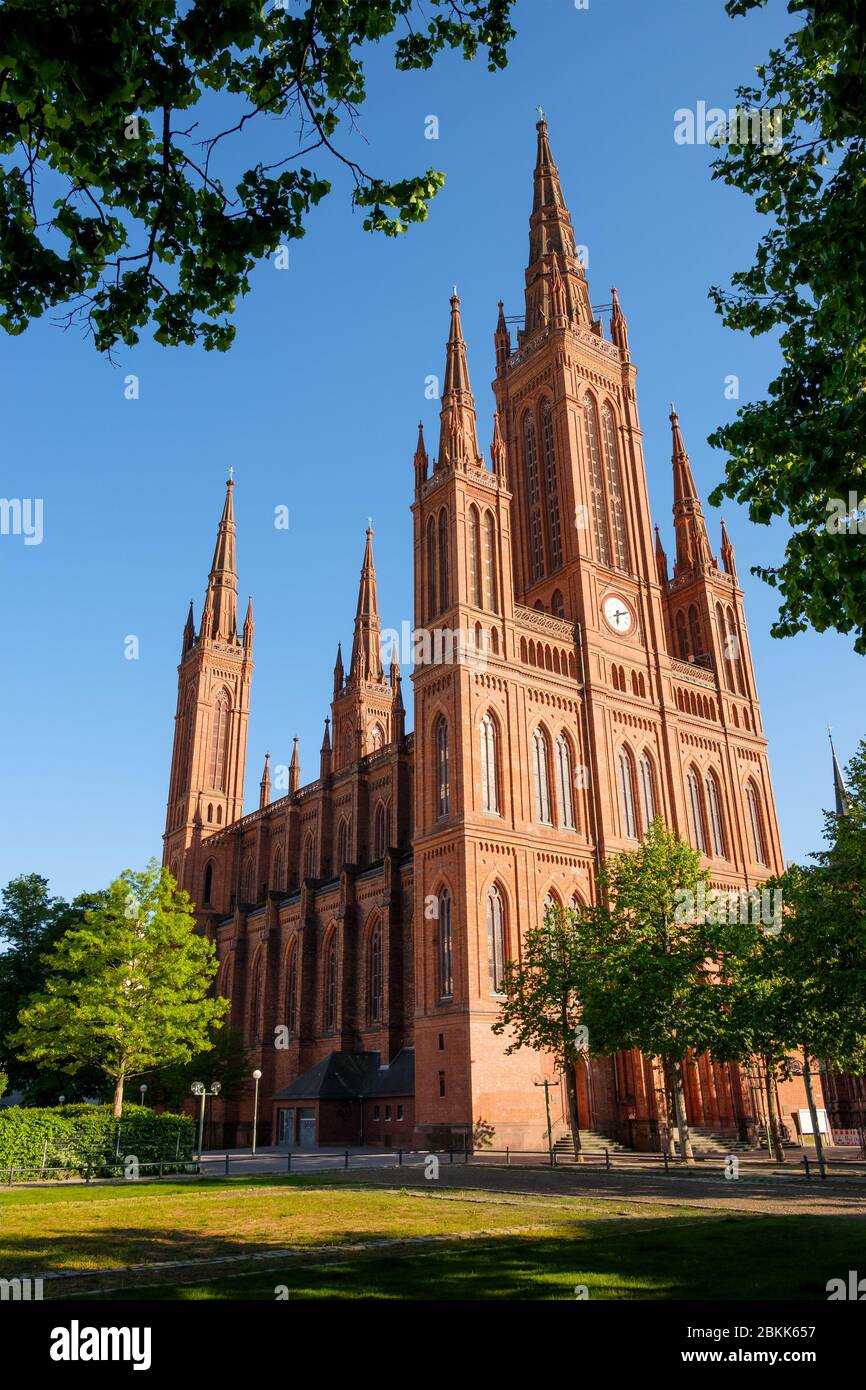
{"type": "Point", "coordinates": [756, 823]}
{"type": "Point", "coordinates": [491, 588]}
{"type": "Point", "coordinates": [446, 960]}
{"type": "Point", "coordinates": [647, 791]}
{"type": "Point", "coordinates": [432, 588]}
{"type": "Point", "coordinates": [443, 777]}
{"type": "Point", "coordinates": [625, 768]}
{"type": "Point", "coordinates": [219, 742]}
{"type": "Point", "coordinates": [614, 489]}
{"type": "Point", "coordinates": [292, 991]}
{"type": "Point", "coordinates": [330, 1001]}
{"type": "Point", "coordinates": [376, 991]}
{"type": "Point", "coordinates": [444, 584]}
{"type": "Point", "coordinates": [564, 785]}
{"type": "Point", "coordinates": [533, 497]}
{"type": "Point", "coordinates": [696, 811]}
{"type": "Point", "coordinates": [714, 806]}
{"type": "Point", "coordinates": [489, 796]}
{"type": "Point", "coordinates": [600, 525]}
{"type": "Point", "coordinates": [495, 940]}
{"type": "Point", "coordinates": [474, 557]}
{"type": "Point", "coordinates": [541, 776]}
{"type": "Point", "coordinates": [548, 454]}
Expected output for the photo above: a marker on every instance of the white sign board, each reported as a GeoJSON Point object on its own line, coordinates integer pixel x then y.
{"type": "Point", "coordinates": [806, 1122]}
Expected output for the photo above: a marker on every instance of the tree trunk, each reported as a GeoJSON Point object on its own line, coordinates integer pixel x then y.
{"type": "Point", "coordinates": [573, 1120]}
{"type": "Point", "coordinates": [117, 1111]}
{"type": "Point", "coordinates": [679, 1095]}
{"type": "Point", "coordinates": [807, 1081]}
{"type": "Point", "coordinates": [775, 1135]}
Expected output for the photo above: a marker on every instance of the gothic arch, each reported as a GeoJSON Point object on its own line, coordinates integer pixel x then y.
{"type": "Point", "coordinates": [564, 765]}
{"type": "Point", "coordinates": [540, 745]}
{"type": "Point", "coordinates": [444, 562]}
{"type": "Point", "coordinates": [626, 789]}
{"type": "Point", "coordinates": [374, 952]}
{"type": "Point", "coordinates": [695, 802]}
{"type": "Point", "coordinates": [219, 740]}
{"type": "Point", "coordinates": [278, 882]}
{"type": "Point", "coordinates": [257, 983]}
{"type": "Point", "coordinates": [490, 568]}
{"type": "Point", "coordinates": [757, 827]}
{"type": "Point", "coordinates": [490, 743]}
{"type": "Point", "coordinates": [496, 920]}
{"type": "Point", "coordinates": [533, 496]}
{"type": "Point", "coordinates": [553, 528]}
{"type": "Point", "coordinates": [248, 892]}
{"type": "Point", "coordinates": [330, 989]}
{"type": "Point", "coordinates": [598, 507]}
{"type": "Point", "coordinates": [292, 975]}
{"type": "Point", "coordinates": [432, 580]}
{"type": "Point", "coordinates": [380, 830]}
{"type": "Point", "coordinates": [207, 892]}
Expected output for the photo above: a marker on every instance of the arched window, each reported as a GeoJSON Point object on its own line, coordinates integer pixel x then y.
{"type": "Point", "coordinates": [292, 991]}
{"type": "Point", "coordinates": [209, 812]}
{"type": "Point", "coordinates": [533, 497]}
{"type": "Point", "coordinates": [695, 631]}
{"type": "Point", "coordinates": [495, 940]}
{"type": "Point", "coordinates": [474, 557]}
{"type": "Point", "coordinates": [491, 587]}
{"type": "Point", "coordinates": [277, 881]}
{"type": "Point", "coordinates": [343, 844]}
{"type": "Point", "coordinates": [446, 962]}
{"type": "Point", "coordinates": [207, 889]}
{"type": "Point", "coordinates": [734, 650]}
{"type": "Point", "coordinates": [614, 489]}
{"type": "Point", "coordinates": [625, 770]}
{"type": "Point", "coordinates": [489, 771]}
{"type": "Point", "coordinates": [600, 523]}
{"type": "Point", "coordinates": [756, 823]}
{"type": "Point", "coordinates": [444, 580]}
{"type": "Point", "coordinates": [552, 908]}
{"type": "Point", "coordinates": [714, 807]}
{"type": "Point", "coordinates": [331, 984]}
{"type": "Point", "coordinates": [696, 810]}
{"type": "Point", "coordinates": [646, 786]}
{"type": "Point", "coordinates": [247, 890]}
{"type": "Point", "coordinates": [557, 604]}
{"type": "Point", "coordinates": [255, 1028]}
{"type": "Point", "coordinates": [432, 587]}
{"type": "Point", "coordinates": [185, 765]}
{"type": "Point", "coordinates": [379, 832]}
{"type": "Point", "coordinates": [548, 456]}
{"type": "Point", "coordinates": [564, 782]}
{"type": "Point", "coordinates": [376, 993]}
{"type": "Point", "coordinates": [682, 638]}
{"type": "Point", "coordinates": [443, 783]}
{"type": "Point", "coordinates": [309, 855]}
{"type": "Point", "coordinates": [377, 738]}
{"type": "Point", "coordinates": [727, 655]}
{"type": "Point", "coordinates": [219, 742]}
{"type": "Point", "coordinates": [542, 778]}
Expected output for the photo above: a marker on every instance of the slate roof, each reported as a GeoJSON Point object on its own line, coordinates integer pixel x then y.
{"type": "Point", "coordinates": [348, 1075]}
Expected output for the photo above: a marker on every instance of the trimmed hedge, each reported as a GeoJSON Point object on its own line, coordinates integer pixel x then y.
{"type": "Point", "coordinates": [87, 1138]}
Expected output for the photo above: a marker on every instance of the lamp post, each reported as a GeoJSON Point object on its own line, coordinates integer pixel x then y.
{"type": "Point", "coordinates": [142, 1088]}
{"type": "Point", "coordinates": [257, 1076]}
{"type": "Point", "coordinates": [199, 1089]}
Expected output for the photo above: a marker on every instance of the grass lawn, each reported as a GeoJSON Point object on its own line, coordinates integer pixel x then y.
{"type": "Point", "coordinates": [488, 1246]}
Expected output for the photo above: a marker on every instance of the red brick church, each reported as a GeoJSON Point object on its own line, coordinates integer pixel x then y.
{"type": "Point", "coordinates": [568, 687]}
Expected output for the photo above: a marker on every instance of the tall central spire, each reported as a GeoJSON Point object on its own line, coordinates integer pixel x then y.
{"type": "Point", "coordinates": [366, 662]}
{"type": "Point", "coordinates": [458, 432]}
{"type": "Point", "coordinates": [219, 617]}
{"type": "Point", "coordinates": [693, 546]}
{"type": "Point", "coordinates": [556, 289]}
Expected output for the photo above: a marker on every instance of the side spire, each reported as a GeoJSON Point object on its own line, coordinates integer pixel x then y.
{"type": "Point", "coordinates": [325, 752]}
{"type": "Point", "coordinates": [693, 547]}
{"type": "Point", "coordinates": [661, 561]}
{"type": "Point", "coordinates": [219, 618]}
{"type": "Point", "coordinates": [728, 561]}
{"type": "Point", "coordinates": [458, 434]}
{"type": "Point", "coordinates": [618, 325]}
{"type": "Point", "coordinates": [295, 768]}
{"type": "Point", "coordinates": [556, 286]}
{"type": "Point", "coordinates": [501, 341]}
{"type": "Point", "coordinates": [366, 664]}
{"type": "Point", "coordinates": [420, 459]}
{"type": "Point", "coordinates": [188, 633]}
{"type": "Point", "coordinates": [840, 791]}
{"type": "Point", "coordinates": [497, 448]}
{"type": "Point", "coordinates": [338, 670]}
{"type": "Point", "coordinates": [265, 784]}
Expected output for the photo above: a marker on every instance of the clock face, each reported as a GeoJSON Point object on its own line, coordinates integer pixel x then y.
{"type": "Point", "coordinates": [618, 614]}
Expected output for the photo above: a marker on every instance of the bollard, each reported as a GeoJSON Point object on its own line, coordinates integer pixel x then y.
{"type": "Point", "coordinates": [289, 1161]}
{"type": "Point", "coordinates": [160, 1167]}
{"type": "Point", "coordinates": [553, 1158]}
{"type": "Point", "coordinates": [508, 1158]}
{"type": "Point", "coordinates": [607, 1160]}
{"type": "Point", "coordinates": [399, 1158]}
{"type": "Point", "coordinates": [450, 1155]}
{"type": "Point", "coordinates": [227, 1165]}
{"type": "Point", "coordinates": [806, 1165]}
{"type": "Point", "coordinates": [11, 1172]}
{"type": "Point", "coordinates": [665, 1157]}
{"type": "Point", "coordinates": [346, 1164]}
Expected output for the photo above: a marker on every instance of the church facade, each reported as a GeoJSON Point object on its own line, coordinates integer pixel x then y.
{"type": "Point", "coordinates": [568, 687]}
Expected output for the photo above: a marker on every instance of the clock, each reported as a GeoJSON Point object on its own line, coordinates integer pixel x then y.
{"type": "Point", "coordinates": [618, 614]}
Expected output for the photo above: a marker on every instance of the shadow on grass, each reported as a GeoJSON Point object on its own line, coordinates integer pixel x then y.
{"type": "Point", "coordinates": [736, 1257]}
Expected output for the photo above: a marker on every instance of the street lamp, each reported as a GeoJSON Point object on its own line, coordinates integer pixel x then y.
{"type": "Point", "coordinates": [257, 1076]}
{"type": "Point", "coordinates": [199, 1089]}
{"type": "Point", "coordinates": [142, 1088]}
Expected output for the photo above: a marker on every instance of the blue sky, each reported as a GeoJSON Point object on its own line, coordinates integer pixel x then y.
{"type": "Point", "coordinates": [316, 407]}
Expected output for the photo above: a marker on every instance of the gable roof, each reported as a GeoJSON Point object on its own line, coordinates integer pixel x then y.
{"type": "Point", "coordinates": [348, 1075]}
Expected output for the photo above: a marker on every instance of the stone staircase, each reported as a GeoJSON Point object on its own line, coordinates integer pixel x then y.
{"type": "Point", "coordinates": [591, 1142]}
{"type": "Point", "coordinates": [704, 1141]}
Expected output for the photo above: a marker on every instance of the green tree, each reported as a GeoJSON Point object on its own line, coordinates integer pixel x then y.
{"type": "Point", "coordinates": [4, 1082]}
{"type": "Point", "coordinates": [117, 201]}
{"type": "Point", "coordinates": [127, 990]}
{"type": "Point", "coordinates": [645, 971]}
{"type": "Point", "coordinates": [540, 1008]}
{"type": "Point", "coordinates": [31, 922]}
{"type": "Point", "coordinates": [800, 452]}
{"type": "Point", "coordinates": [226, 1060]}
